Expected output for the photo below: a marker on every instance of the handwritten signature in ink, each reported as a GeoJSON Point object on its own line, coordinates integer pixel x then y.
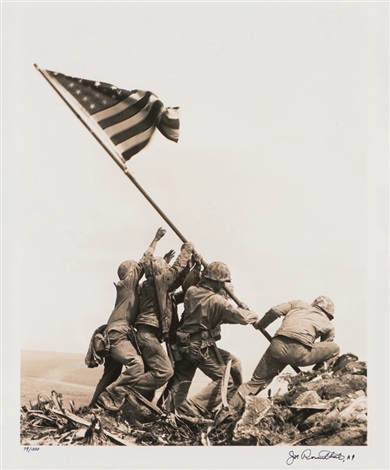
{"type": "Point", "coordinates": [324, 454]}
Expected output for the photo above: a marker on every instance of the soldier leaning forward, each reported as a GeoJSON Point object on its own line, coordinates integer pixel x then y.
{"type": "Point", "coordinates": [294, 343]}
{"type": "Point", "coordinates": [119, 331]}
{"type": "Point", "coordinates": [205, 309]}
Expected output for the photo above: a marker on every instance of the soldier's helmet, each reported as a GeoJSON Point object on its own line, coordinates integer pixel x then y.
{"type": "Point", "coordinates": [125, 268]}
{"type": "Point", "coordinates": [217, 271]}
{"type": "Point", "coordinates": [159, 266]}
{"type": "Point", "coordinates": [324, 303]}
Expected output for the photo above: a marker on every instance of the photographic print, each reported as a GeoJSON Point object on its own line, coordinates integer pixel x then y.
{"type": "Point", "coordinates": [195, 234]}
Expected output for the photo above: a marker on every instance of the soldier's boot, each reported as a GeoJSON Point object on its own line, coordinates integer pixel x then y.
{"type": "Point", "coordinates": [110, 400]}
{"type": "Point", "coordinates": [236, 404]}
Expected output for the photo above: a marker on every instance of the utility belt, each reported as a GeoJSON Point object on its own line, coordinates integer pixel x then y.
{"type": "Point", "coordinates": [205, 337]}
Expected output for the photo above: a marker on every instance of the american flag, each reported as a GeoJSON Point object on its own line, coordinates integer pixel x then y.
{"type": "Point", "coordinates": [128, 118]}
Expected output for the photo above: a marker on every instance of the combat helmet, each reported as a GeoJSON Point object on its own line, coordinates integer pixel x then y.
{"type": "Point", "coordinates": [125, 268]}
{"type": "Point", "coordinates": [217, 271]}
{"type": "Point", "coordinates": [324, 303]}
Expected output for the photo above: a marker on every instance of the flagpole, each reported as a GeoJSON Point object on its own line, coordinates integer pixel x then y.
{"type": "Point", "coordinates": [122, 165]}
{"type": "Point", "coordinates": [113, 154]}
{"type": "Point", "coordinates": [146, 195]}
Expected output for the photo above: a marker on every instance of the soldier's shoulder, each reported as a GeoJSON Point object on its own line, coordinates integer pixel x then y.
{"type": "Point", "coordinates": [298, 303]}
{"type": "Point", "coordinates": [196, 288]}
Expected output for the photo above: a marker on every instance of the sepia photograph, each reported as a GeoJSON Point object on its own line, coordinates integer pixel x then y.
{"type": "Point", "coordinates": [195, 237]}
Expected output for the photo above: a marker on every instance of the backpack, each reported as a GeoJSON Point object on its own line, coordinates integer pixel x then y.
{"type": "Point", "coordinates": [99, 347]}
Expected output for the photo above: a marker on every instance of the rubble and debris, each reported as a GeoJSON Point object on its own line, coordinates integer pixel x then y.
{"type": "Point", "coordinates": [310, 408]}
{"type": "Point", "coordinates": [49, 423]}
{"type": "Point", "coordinates": [309, 400]}
{"type": "Point", "coordinates": [324, 409]}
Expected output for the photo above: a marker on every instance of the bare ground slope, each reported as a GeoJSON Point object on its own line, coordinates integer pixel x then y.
{"type": "Point", "coordinates": [42, 372]}
{"type": "Point", "coordinates": [66, 373]}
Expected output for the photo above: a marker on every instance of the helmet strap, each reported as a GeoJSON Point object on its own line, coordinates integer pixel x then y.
{"type": "Point", "coordinates": [326, 313]}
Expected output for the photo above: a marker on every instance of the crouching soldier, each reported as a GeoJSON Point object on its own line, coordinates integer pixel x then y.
{"type": "Point", "coordinates": [120, 333]}
{"type": "Point", "coordinates": [205, 309]}
{"type": "Point", "coordinates": [294, 342]}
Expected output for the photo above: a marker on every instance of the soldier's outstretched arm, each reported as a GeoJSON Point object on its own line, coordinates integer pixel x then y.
{"type": "Point", "coordinates": [273, 313]}
{"type": "Point", "coordinates": [159, 234]}
{"type": "Point", "coordinates": [234, 315]}
{"type": "Point", "coordinates": [180, 263]}
{"type": "Point", "coordinates": [266, 320]}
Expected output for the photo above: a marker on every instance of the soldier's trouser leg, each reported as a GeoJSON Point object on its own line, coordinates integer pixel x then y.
{"type": "Point", "coordinates": [122, 351]}
{"type": "Point", "coordinates": [157, 360]}
{"type": "Point", "coordinates": [179, 386]}
{"type": "Point", "coordinates": [270, 365]}
{"type": "Point", "coordinates": [112, 370]}
{"type": "Point", "coordinates": [125, 353]}
{"type": "Point", "coordinates": [209, 362]}
{"type": "Point", "coordinates": [236, 367]}
{"type": "Point", "coordinates": [203, 396]}
{"type": "Point", "coordinates": [324, 351]}
{"type": "Point", "coordinates": [285, 351]}
{"type": "Point", "coordinates": [210, 396]}
{"type": "Point", "coordinates": [184, 374]}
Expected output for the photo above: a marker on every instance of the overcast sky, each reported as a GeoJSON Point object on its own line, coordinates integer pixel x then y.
{"type": "Point", "coordinates": [280, 170]}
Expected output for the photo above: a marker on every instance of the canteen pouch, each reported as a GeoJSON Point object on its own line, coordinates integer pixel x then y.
{"type": "Point", "coordinates": [176, 353]}
{"type": "Point", "coordinates": [183, 341]}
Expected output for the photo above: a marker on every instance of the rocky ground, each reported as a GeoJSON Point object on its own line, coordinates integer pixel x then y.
{"type": "Point", "coordinates": [310, 408]}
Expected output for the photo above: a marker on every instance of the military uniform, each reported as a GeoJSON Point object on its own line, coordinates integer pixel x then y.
{"type": "Point", "coordinates": [155, 317]}
{"type": "Point", "coordinates": [120, 333]}
{"type": "Point", "coordinates": [204, 312]}
{"type": "Point", "coordinates": [294, 343]}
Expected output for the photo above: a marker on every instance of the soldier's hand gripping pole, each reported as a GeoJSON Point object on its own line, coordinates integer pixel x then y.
{"type": "Point", "coordinates": [241, 304]}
